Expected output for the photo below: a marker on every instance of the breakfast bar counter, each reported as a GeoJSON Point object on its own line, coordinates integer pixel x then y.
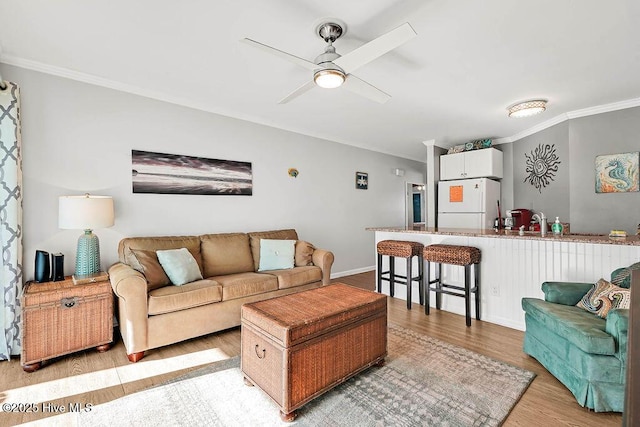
{"type": "Point", "coordinates": [514, 266]}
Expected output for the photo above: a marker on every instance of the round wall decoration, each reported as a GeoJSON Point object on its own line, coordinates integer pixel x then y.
{"type": "Point", "coordinates": [541, 166]}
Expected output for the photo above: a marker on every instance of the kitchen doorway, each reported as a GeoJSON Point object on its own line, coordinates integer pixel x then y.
{"type": "Point", "coordinates": [415, 205]}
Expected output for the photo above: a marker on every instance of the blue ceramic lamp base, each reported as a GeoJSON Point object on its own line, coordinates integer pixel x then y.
{"type": "Point", "coordinates": [88, 254]}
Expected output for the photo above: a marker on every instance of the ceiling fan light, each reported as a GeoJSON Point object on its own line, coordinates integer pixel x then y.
{"type": "Point", "coordinates": [329, 79]}
{"type": "Point", "coordinates": [527, 108]}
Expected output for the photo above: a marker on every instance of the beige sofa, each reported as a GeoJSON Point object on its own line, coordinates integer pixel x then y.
{"type": "Point", "coordinates": [153, 313]}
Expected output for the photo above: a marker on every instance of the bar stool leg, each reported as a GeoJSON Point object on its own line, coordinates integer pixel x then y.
{"type": "Point", "coordinates": [392, 275]}
{"type": "Point", "coordinates": [420, 275]}
{"type": "Point", "coordinates": [409, 283]}
{"type": "Point", "coordinates": [467, 294]}
{"type": "Point", "coordinates": [379, 273]}
{"type": "Point", "coordinates": [476, 272]}
{"type": "Point", "coordinates": [438, 285]}
{"type": "Point", "coordinates": [427, 287]}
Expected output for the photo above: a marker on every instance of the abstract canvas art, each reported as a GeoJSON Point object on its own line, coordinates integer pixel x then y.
{"type": "Point", "coordinates": [617, 173]}
{"type": "Point", "coordinates": [176, 174]}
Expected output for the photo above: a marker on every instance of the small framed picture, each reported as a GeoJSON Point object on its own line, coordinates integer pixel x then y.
{"type": "Point", "coordinates": [362, 180]}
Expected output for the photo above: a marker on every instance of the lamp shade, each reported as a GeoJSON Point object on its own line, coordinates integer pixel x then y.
{"type": "Point", "coordinates": [85, 212]}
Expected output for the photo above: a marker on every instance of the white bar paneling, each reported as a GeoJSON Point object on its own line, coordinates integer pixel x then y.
{"type": "Point", "coordinates": [515, 268]}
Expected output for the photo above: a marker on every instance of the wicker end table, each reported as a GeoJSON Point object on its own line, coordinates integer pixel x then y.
{"type": "Point", "coordinates": [59, 318]}
{"type": "Point", "coordinates": [298, 346]}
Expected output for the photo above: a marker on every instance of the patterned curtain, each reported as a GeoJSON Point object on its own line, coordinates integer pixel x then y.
{"type": "Point", "coordinates": [10, 219]}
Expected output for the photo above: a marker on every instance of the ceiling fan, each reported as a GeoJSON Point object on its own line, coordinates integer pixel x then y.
{"type": "Point", "coordinates": [331, 70]}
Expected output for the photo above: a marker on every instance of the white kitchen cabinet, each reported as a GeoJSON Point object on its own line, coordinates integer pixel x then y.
{"type": "Point", "coordinates": [471, 164]}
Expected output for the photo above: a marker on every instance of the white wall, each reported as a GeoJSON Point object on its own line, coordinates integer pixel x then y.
{"type": "Point", "coordinates": [608, 133]}
{"type": "Point", "coordinates": [78, 138]}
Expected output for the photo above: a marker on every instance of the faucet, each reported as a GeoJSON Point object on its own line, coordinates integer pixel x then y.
{"type": "Point", "coordinates": [542, 220]}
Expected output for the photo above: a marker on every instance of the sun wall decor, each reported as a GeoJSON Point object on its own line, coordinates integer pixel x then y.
{"type": "Point", "coordinates": [541, 166]}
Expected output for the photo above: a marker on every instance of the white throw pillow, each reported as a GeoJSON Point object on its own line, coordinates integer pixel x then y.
{"type": "Point", "coordinates": [276, 254]}
{"type": "Point", "coordinates": [181, 267]}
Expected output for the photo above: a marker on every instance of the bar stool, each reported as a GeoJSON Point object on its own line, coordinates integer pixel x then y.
{"type": "Point", "coordinates": [455, 255]}
{"type": "Point", "coordinates": [401, 249]}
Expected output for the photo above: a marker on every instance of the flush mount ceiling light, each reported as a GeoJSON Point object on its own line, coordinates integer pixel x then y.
{"type": "Point", "coordinates": [527, 108]}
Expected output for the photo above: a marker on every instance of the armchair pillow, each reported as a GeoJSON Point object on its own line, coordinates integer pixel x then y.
{"type": "Point", "coordinates": [622, 276]}
{"type": "Point", "coordinates": [181, 267]}
{"type": "Point", "coordinates": [276, 254]}
{"type": "Point", "coordinates": [149, 266]}
{"type": "Point", "coordinates": [304, 252]}
{"type": "Point", "coordinates": [604, 296]}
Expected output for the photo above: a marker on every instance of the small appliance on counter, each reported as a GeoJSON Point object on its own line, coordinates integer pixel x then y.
{"type": "Point", "coordinates": [518, 218]}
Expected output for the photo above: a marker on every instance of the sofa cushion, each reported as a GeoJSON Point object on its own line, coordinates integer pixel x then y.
{"type": "Point", "coordinates": [304, 253]}
{"type": "Point", "coordinates": [125, 247]}
{"type": "Point", "coordinates": [297, 276]}
{"type": "Point", "coordinates": [173, 298]}
{"type": "Point", "coordinates": [179, 265]}
{"type": "Point", "coordinates": [146, 262]}
{"type": "Point", "coordinates": [276, 254]}
{"type": "Point", "coordinates": [603, 296]}
{"type": "Point", "coordinates": [255, 237]}
{"type": "Point", "coordinates": [224, 254]}
{"type": "Point", "coordinates": [245, 284]}
{"type": "Point", "coordinates": [566, 361]}
{"type": "Point", "coordinates": [583, 329]}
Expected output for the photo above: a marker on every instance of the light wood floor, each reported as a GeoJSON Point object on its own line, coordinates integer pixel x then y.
{"type": "Point", "coordinates": [546, 403]}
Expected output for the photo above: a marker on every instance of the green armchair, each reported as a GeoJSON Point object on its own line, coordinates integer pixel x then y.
{"type": "Point", "coordinates": [586, 353]}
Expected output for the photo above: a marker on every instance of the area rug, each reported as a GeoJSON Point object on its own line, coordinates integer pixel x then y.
{"type": "Point", "coordinates": [424, 382]}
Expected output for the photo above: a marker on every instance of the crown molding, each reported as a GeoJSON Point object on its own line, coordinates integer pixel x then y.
{"type": "Point", "coordinates": [534, 129]}
{"type": "Point", "coordinates": [590, 111]}
{"type": "Point", "coordinates": [161, 96]}
{"type": "Point", "coordinates": [606, 108]}
{"type": "Point", "coordinates": [164, 97]}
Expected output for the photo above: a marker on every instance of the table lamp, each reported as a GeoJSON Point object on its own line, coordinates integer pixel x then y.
{"type": "Point", "coordinates": [86, 213]}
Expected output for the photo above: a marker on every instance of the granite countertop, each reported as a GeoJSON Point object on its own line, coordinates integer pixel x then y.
{"type": "Point", "coordinates": [513, 234]}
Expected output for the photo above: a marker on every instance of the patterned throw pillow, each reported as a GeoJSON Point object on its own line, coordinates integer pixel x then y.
{"type": "Point", "coordinates": [604, 296]}
{"type": "Point", "coordinates": [622, 276]}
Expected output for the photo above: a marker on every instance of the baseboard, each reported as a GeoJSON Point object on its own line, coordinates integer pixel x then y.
{"type": "Point", "coordinates": [351, 272]}
{"type": "Point", "coordinates": [508, 323]}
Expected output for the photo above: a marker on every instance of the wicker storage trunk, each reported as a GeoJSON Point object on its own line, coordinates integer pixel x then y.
{"type": "Point", "coordinates": [61, 318]}
{"type": "Point", "coordinates": [298, 346]}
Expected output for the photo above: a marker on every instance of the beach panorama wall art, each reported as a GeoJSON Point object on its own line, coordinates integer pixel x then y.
{"type": "Point", "coordinates": [161, 173]}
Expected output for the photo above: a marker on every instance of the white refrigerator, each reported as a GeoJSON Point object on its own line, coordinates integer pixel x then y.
{"type": "Point", "coordinates": [468, 203]}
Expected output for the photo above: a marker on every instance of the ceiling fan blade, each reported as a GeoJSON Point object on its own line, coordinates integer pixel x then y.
{"type": "Point", "coordinates": [292, 58]}
{"type": "Point", "coordinates": [362, 88]}
{"type": "Point", "coordinates": [296, 93]}
{"type": "Point", "coordinates": [375, 48]}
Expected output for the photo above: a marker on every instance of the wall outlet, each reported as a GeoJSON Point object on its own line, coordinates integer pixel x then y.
{"type": "Point", "coordinates": [495, 290]}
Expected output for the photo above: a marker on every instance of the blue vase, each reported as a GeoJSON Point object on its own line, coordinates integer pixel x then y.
{"type": "Point", "coordinates": [88, 254]}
